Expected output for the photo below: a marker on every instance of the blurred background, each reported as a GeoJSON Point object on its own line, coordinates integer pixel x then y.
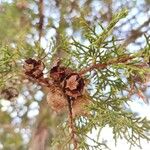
{"type": "Point", "coordinates": [26, 122]}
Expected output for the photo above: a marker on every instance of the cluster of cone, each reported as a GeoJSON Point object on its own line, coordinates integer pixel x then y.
{"type": "Point", "coordinates": [63, 83]}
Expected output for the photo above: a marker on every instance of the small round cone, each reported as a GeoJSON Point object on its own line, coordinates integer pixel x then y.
{"type": "Point", "coordinates": [56, 99]}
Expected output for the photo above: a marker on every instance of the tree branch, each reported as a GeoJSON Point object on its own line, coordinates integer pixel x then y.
{"type": "Point", "coordinates": [104, 65]}
{"type": "Point", "coordinates": [71, 124]}
{"type": "Point", "coordinates": [41, 133]}
{"type": "Point", "coordinates": [136, 33]}
{"type": "Point", "coordinates": [41, 18]}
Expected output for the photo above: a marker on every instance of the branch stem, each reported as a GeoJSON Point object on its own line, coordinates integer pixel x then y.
{"type": "Point", "coordinates": [41, 18]}
{"type": "Point", "coordinates": [104, 65]}
{"type": "Point", "coordinates": [71, 124]}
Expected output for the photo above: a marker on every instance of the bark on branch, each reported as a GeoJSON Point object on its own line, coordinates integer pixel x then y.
{"type": "Point", "coordinates": [104, 65]}
{"type": "Point", "coordinates": [41, 18]}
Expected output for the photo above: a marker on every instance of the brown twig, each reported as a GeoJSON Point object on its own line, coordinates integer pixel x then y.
{"type": "Point", "coordinates": [104, 65]}
{"type": "Point", "coordinates": [71, 124]}
{"type": "Point", "coordinates": [134, 34]}
{"type": "Point", "coordinates": [41, 18]}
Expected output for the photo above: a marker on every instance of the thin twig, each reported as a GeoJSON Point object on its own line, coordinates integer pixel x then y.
{"type": "Point", "coordinates": [104, 65]}
{"type": "Point", "coordinates": [71, 124]}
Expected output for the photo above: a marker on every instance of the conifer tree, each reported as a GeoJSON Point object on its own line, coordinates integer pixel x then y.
{"type": "Point", "coordinates": [65, 71]}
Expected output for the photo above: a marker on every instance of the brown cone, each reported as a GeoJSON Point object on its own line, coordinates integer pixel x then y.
{"type": "Point", "coordinates": [56, 99]}
{"type": "Point", "coordinates": [79, 105]}
{"type": "Point", "coordinates": [73, 85]}
{"type": "Point", "coordinates": [34, 68]}
{"type": "Point", "coordinates": [9, 93]}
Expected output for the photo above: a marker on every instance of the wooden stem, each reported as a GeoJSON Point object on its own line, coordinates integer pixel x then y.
{"type": "Point", "coordinates": [41, 18]}
{"type": "Point", "coordinates": [104, 65]}
{"type": "Point", "coordinates": [71, 124]}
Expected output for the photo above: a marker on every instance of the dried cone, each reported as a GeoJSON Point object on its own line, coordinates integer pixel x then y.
{"type": "Point", "coordinates": [34, 68]}
{"type": "Point", "coordinates": [79, 105]}
{"type": "Point", "coordinates": [56, 99]}
{"type": "Point", "coordinates": [58, 73]}
{"type": "Point", "coordinates": [9, 93]}
{"type": "Point", "coordinates": [73, 85]}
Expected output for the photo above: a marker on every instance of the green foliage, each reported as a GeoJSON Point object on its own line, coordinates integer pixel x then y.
{"type": "Point", "coordinates": [107, 84]}
{"type": "Point", "coordinates": [14, 23]}
{"type": "Point", "coordinates": [106, 88]}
